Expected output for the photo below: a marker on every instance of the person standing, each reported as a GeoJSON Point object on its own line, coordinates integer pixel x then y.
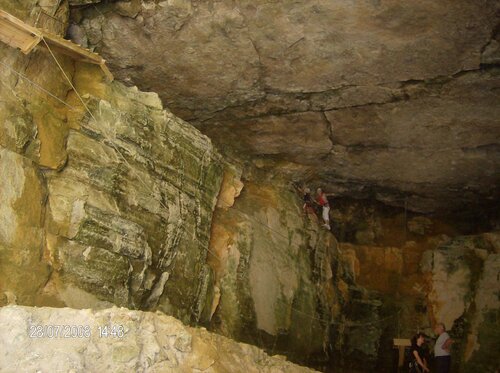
{"type": "Point", "coordinates": [442, 358]}
{"type": "Point", "coordinates": [322, 200]}
{"type": "Point", "coordinates": [418, 362]}
{"type": "Point", "coordinates": [308, 201]}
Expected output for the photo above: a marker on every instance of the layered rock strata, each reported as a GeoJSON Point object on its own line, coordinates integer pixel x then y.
{"type": "Point", "coordinates": [127, 204]}
{"type": "Point", "coordinates": [111, 201]}
{"type": "Point", "coordinates": [384, 100]}
{"type": "Point", "coordinates": [422, 276]}
{"type": "Point", "coordinates": [105, 202]}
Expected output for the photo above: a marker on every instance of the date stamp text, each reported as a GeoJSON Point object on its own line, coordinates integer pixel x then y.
{"type": "Point", "coordinates": [75, 331]}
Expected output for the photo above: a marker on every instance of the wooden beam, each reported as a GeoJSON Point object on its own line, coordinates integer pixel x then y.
{"type": "Point", "coordinates": [68, 48]}
{"type": "Point", "coordinates": [18, 34]}
{"type": "Point", "coordinates": [401, 344]}
{"type": "Point", "coordinates": [107, 73]}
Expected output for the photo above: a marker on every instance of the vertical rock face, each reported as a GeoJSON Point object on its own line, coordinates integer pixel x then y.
{"type": "Point", "coordinates": [277, 275]}
{"type": "Point", "coordinates": [107, 206]}
{"type": "Point", "coordinates": [111, 202]}
{"type": "Point", "coordinates": [126, 204]}
{"type": "Point", "coordinates": [414, 275]}
{"type": "Point", "coordinates": [119, 211]}
{"type": "Point", "coordinates": [23, 191]}
{"type": "Point", "coordinates": [131, 210]}
{"type": "Point", "coordinates": [21, 228]}
{"type": "Point", "coordinates": [463, 276]}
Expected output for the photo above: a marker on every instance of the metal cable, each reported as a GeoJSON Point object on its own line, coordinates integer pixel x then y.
{"type": "Point", "coordinates": [104, 132]}
{"type": "Point", "coordinates": [37, 85]}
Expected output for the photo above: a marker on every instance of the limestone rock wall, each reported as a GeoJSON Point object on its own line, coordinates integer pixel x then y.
{"type": "Point", "coordinates": [375, 99]}
{"type": "Point", "coordinates": [421, 276]}
{"type": "Point", "coordinates": [456, 283]}
{"type": "Point", "coordinates": [31, 126]}
{"type": "Point", "coordinates": [463, 277]}
{"type": "Point", "coordinates": [136, 194]}
{"type": "Point", "coordinates": [277, 274]}
{"type": "Point", "coordinates": [111, 202]}
{"type": "Point", "coordinates": [109, 206]}
{"type": "Point", "coordinates": [127, 204]}
{"type": "Point", "coordinates": [132, 341]}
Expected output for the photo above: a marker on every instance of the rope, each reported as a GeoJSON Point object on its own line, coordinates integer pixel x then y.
{"type": "Point", "coordinates": [104, 132]}
{"type": "Point", "coordinates": [132, 169]}
{"type": "Point", "coordinates": [68, 79]}
{"type": "Point", "coordinates": [349, 324]}
{"type": "Point", "coordinates": [128, 164]}
{"type": "Point", "coordinates": [37, 85]}
{"type": "Point", "coordinates": [201, 187]}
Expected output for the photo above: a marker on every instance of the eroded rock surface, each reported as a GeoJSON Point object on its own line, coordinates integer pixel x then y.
{"type": "Point", "coordinates": [140, 342]}
{"type": "Point", "coordinates": [463, 277]}
{"type": "Point", "coordinates": [280, 281]}
{"type": "Point", "coordinates": [115, 205]}
{"type": "Point", "coordinates": [376, 99]}
{"type": "Point", "coordinates": [107, 206]}
{"type": "Point", "coordinates": [422, 270]}
{"type": "Point", "coordinates": [129, 205]}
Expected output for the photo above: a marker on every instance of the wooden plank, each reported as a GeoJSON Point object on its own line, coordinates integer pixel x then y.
{"type": "Point", "coordinates": [23, 38]}
{"type": "Point", "coordinates": [16, 22]}
{"type": "Point", "coordinates": [401, 342]}
{"type": "Point", "coordinates": [29, 47]}
{"type": "Point", "coordinates": [18, 34]}
{"type": "Point", "coordinates": [107, 73]}
{"type": "Point", "coordinates": [71, 49]}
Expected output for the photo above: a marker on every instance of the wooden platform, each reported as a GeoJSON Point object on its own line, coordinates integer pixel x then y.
{"type": "Point", "coordinates": [18, 34]}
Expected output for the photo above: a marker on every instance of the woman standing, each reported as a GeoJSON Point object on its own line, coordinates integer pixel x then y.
{"type": "Point", "coordinates": [418, 362]}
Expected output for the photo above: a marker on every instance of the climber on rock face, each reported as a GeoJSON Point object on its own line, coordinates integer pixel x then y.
{"type": "Point", "coordinates": [308, 201]}
{"type": "Point", "coordinates": [322, 200]}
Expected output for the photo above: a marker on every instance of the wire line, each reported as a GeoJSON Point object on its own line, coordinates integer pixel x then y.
{"type": "Point", "coordinates": [37, 85]}
{"type": "Point", "coordinates": [104, 132]}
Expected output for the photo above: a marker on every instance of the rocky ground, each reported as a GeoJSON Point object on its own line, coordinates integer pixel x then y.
{"type": "Point", "coordinates": [120, 340]}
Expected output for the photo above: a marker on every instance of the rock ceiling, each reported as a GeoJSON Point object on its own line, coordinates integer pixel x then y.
{"type": "Point", "coordinates": [388, 99]}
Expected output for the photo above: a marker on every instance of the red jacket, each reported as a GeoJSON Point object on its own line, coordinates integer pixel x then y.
{"type": "Point", "coordinates": [322, 200]}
